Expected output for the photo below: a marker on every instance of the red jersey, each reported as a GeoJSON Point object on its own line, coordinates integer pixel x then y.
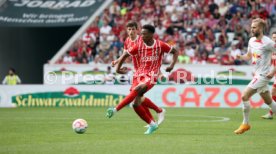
{"type": "Point", "coordinates": [150, 57]}
{"type": "Point", "coordinates": [129, 43]}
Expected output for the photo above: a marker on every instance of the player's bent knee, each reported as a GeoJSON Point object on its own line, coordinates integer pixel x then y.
{"type": "Point", "coordinates": [135, 105]}
{"type": "Point", "coordinates": [137, 101]}
{"type": "Point", "coordinates": [141, 89]}
{"type": "Point", "coordinates": [245, 98]}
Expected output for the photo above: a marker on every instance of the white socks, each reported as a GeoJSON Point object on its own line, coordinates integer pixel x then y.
{"type": "Point", "coordinates": [273, 107]}
{"type": "Point", "coordinates": [152, 123]}
{"type": "Point", "coordinates": [246, 110]}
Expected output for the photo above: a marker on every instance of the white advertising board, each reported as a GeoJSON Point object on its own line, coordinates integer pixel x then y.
{"type": "Point", "coordinates": [214, 96]}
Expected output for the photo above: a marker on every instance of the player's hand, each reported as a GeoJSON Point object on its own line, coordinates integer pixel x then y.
{"type": "Point", "coordinates": [168, 69]}
{"type": "Point", "coordinates": [113, 63]}
{"type": "Point", "coordinates": [122, 70]}
{"type": "Point", "coordinates": [238, 56]}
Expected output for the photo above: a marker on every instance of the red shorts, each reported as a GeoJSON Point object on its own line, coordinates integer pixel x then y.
{"type": "Point", "coordinates": [148, 80]}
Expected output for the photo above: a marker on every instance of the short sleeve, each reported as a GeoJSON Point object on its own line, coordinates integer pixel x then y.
{"type": "Point", "coordinates": [249, 48]}
{"type": "Point", "coordinates": [165, 47]}
{"type": "Point", "coordinates": [133, 50]}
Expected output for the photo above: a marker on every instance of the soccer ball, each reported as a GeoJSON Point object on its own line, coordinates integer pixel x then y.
{"type": "Point", "coordinates": [79, 126]}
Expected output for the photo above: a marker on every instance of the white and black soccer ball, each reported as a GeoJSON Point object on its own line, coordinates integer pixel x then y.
{"type": "Point", "coordinates": [79, 126]}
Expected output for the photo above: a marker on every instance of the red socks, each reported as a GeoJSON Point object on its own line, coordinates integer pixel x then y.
{"type": "Point", "coordinates": [143, 109]}
{"type": "Point", "coordinates": [142, 113]}
{"type": "Point", "coordinates": [148, 103]}
{"type": "Point", "coordinates": [147, 111]}
{"type": "Point", "coordinates": [127, 100]}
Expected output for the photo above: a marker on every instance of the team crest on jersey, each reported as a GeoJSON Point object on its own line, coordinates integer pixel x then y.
{"type": "Point", "coordinates": [130, 48]}
{"type": "Point", "coordinates": [255, 57]}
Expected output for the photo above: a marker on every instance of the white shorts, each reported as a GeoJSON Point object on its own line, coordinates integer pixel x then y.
{"type": "Point", "coordinates": [259, 82]}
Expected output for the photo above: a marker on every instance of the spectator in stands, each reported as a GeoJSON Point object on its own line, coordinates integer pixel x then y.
{"type": "Point", "coordinates": [213, 7]}
{"type": "Point", "coordinates": [88, 37]}
{"type": "Point", "coordinates": [81, 58]}
{"type": "Point", "coordinates": [99, 58]}
{"type": "Point", "coordinates": [109, 76]}
{"type": "Point", "coordinates": [183, 58]}
{"type": "Point", "coordinates": [160, 30]}
{"type": "Point", "coordinates": [105, 29]}
{"type": "Point", "coordinates": [223, 38]}
{"type": "Point", "coordinates": [124, 9]}
{"type": "Point", "coordinates": [223, 8]}
{"type": "Point", "coordinates": [110, 57]}
{"type": "Point", "coordinates": [216, 14]}
{"type": "Point", "coordinates": [114, 9]}
{"type": "Point", "coordinates": [190, 20]}
{"type": "Point", "coordinates": [104, 44]}
{"type": "Point", "coordinates": [12, 78]}
{"type": "Point", "coordinates": [146, 19]}
{"type": "Point", "coordinates": [234, 51]}
{"type": "Point", "coordinates": [116, 43]}
{"type": "Point", "coordinates": [189, 51]}
{"type": "Point", "coordinates": [67, 59]}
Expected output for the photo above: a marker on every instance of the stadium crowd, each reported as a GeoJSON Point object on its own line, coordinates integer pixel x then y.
{"type": "Point", "coordinates": [204, 31]}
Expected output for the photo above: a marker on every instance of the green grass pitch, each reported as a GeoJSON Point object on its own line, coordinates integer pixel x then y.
{"type": "Point", "coordinates": [185, 130]}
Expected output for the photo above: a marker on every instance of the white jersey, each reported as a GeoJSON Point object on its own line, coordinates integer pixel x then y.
{"type": "Point", "coordinates": [261, 51]}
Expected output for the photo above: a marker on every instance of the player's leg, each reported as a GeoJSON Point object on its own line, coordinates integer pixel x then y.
{"type": "Point", "coordinates": [140, 99]}
{"type": "Point", "coordinates": [139, 90]}
{"type": "Point", "coordinates": [160, 112]}
{"type": "Point", "coordinates": [148, 103]}
{"type": "Point", "coordinates": [147, 111]}
{"type": "Point", "coordinates": [151, 81]}
{"type": "Point", "coordinates": [139, 109]}
{"type": "Point", "coordinates": [143, 99]}
{"type": "Point", "coordinates": [147, 86]}
{"type": "Point", "coordinates": [269, 115]}
{"type": "Point", "coordinates": [247, 93]}
{"type": "Point", "coordinates": [267, 98]}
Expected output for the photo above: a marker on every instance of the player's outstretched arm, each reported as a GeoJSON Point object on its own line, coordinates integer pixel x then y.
{"type": "Point", "coordinates": [115, 62]}
{"type": "Point", "coordinates": [119, 68]}
{"type": "Point", "coordinates": [175, 57]}
{"type": "Point", "coordinates": [245, 57]}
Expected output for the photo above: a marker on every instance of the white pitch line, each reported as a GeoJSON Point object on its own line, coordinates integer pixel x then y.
{"type": "Point", "coordinates": [217, 119]}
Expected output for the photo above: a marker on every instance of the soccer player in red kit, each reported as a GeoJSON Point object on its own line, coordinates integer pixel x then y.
{"type": "Point", "coordinates": [150, 53]}
{"type": "Point", "coordinates": [132, 39]}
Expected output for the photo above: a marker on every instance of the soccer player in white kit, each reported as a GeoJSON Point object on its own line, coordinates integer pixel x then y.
{"type": "Point", "coordinates": [269, 115]}
{"type": "Point", "coordinates": [260, 50]}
